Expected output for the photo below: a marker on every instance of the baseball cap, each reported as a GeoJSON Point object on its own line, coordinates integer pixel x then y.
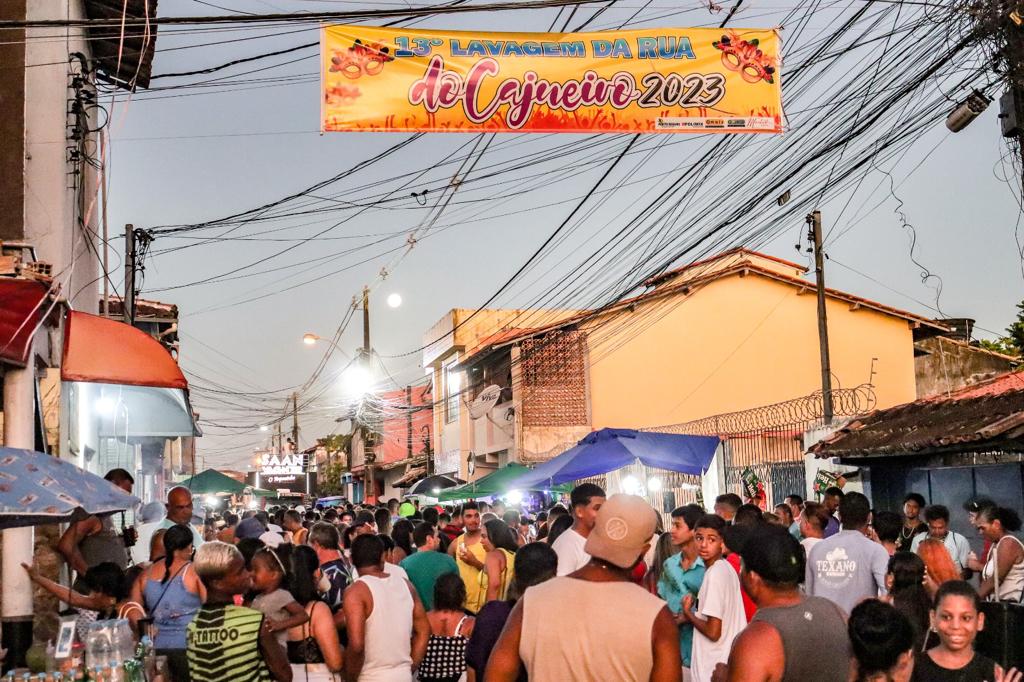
{"type": "Point", "coordinates": [776, 556]}
{"type": "Point", "coordinates": [625, 524]}
{"type": "Point", "coordinates": [249, 528]}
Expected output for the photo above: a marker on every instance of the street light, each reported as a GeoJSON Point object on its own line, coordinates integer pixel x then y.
{"type": "Point", "coordinates": [311, 339]}
{"type": "Point", "coordinates": [394, 300]}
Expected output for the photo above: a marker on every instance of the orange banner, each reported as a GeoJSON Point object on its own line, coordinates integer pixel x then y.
{"type": "Point", "coordinates": [649, 80]}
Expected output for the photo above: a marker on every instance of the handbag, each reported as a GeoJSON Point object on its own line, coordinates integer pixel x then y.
{"type": "Point", "coordinates": [1002, 639]}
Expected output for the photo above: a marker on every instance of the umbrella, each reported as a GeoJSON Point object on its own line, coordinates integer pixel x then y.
{"type": "Point", "coordinates": [494, 483]}
{"type": "Point", "coordinates": [213, 482]}
{"type": "Point", "coordinates": [609, 449]}
{"type": "Point", "coordinates": [37, 488]}
{"type": "Point", "coordinates": [429, 485]}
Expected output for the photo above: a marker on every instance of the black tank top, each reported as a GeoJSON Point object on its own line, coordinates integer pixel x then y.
{"type": "Point", "coordinates": [980, 669]}
{"type": "Point", "coordinates": [307, 649]}
{"type": "Point", "coordinates": [814, 640]}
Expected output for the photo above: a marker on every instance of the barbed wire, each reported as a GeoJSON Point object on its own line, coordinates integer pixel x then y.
{"type": "Point", "coordinates": [846, 402]}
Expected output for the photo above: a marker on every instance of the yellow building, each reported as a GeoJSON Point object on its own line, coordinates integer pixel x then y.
{"type": "Point", "coordinates": [729, 333]}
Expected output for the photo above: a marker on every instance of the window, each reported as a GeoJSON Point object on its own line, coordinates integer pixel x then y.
{"type": "Point", "coordinates": [452, 389]}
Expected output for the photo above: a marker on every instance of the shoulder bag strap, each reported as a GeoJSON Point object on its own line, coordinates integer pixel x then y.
{"type": "Point", "coordinates": [167, 587]}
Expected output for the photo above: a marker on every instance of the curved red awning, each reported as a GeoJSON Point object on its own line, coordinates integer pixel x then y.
{"type": "Point", "coordinates": [102, 350]}
{"type": "Point", "coordinates": [21, 306]}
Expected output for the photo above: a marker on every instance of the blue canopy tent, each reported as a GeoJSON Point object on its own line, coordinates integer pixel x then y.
{"type": "Point", "coordinates": [609, 449]}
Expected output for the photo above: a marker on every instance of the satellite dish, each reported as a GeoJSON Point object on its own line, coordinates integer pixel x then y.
{"type": "Point", "coordinates": [485, 402]}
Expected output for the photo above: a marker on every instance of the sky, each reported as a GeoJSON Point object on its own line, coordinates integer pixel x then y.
{"type": "Point", "coordinates": [183, 159]}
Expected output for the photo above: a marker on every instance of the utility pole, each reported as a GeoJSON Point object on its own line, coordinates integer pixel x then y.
{"type": "Point", "coordinates": [370, 488]}
{"type": "Point", "coordinates": [814, 236]}
{"type": "Point", "coordinates": [105, 305]}
{"type": "Point", "coordinates": [1015, 71]}
{"type": "Point", "coordinates": [128, 303]}
{"type": "Point", "coordinates": [295, 421]}
{"type": "Point", "coordinates": [280, 440]}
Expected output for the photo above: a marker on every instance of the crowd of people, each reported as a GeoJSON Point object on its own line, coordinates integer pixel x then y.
{"type": "Point", "coordinates": [595, 589]}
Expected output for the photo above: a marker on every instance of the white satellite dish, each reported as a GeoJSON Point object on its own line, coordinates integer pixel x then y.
{"type": "Point", "coordinates": [485, 402]}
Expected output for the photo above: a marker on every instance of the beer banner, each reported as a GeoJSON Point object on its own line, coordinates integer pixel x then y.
{"type": "Point", "coordinates": [650, 81]}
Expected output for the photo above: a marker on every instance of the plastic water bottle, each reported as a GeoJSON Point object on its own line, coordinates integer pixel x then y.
{"type": "Point", "coordinates": [51, 657]}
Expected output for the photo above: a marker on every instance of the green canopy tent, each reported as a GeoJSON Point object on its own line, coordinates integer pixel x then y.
{"type": "Point", "coordinates": [213, 482]}
{"type": "Point", "coordinates": [494, 483]}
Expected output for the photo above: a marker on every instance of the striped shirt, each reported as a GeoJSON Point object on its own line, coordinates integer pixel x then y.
{"type": "Point", "coordinates": [223, 643]}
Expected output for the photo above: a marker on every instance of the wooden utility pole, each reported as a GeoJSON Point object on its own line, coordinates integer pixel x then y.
{"type": "Point", "coordinates": [814, 236]}
{"type": "Point", "coordinates": [128, 302]}
{"type": "Point", "coordinates": [295, 421]}
{"type": "Point", "coordinates": [370, 486]}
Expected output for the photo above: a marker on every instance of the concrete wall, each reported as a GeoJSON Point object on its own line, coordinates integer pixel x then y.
{"type": "Point", "coordinates": [943, 365]}
{"type": "Point", "coordinates": [737, 343]}
{"type": "Point", "coordinates": [51, 213]}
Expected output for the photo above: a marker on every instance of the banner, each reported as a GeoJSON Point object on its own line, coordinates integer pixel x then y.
{"type": "Point", "coordinates": [650, 80]}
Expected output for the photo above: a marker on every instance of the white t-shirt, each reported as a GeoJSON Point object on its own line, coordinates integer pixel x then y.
{"type": "Point", "coordinates": [569, 548]}
{"type": "Point", "coordinates": [808, 543]}
{"type": "Point", "coordinates": [390, 569]}
{"type": "Point", "coordinates": [719, 597]}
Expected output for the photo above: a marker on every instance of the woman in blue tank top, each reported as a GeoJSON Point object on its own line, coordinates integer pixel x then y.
{"type": "Point", "coordinates": [173, 594]}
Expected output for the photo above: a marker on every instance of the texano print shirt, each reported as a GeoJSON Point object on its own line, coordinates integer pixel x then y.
{"type": "Point", "coordinates": [223, 643]}
{"type": "Point", "coordinates": [846, 569]}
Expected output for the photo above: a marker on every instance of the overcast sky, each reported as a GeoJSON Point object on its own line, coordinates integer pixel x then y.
{"type": "Point", "coordinates": [181, 159]}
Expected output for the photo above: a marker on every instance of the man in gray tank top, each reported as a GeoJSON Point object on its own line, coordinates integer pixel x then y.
{"type": "Point", "coordinates": [93, 540]}
{"type": "Point", "coordinates": [793, 637]}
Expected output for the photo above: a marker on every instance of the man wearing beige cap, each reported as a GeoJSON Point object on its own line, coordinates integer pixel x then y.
{"type": "Point", "coordinates": [594, 624]}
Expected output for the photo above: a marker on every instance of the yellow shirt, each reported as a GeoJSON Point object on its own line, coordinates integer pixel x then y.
{"type": "Point", "coordinates": [475, 594]}
{"type": "Point", "coordinates": [505, 578]}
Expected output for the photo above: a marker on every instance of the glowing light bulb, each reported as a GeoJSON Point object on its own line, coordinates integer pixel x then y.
{"type": "Point", "coordinates": [358, 380]}
{"type": "Point", "coordinates": [394, 300]}
{"type": "Point", "coordinates": [654, 484]}
{"type": "Point", "coordinates": [514, 497]}
{"type": "Point", "coordinates": [310, 339]}
{"type": "Point", "coordinates": [630, 485]}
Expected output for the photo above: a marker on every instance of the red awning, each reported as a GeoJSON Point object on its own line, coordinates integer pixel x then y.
{"type": "Point", "coordinates": [106, 351]}
{"type": "Point", "coordinates": [21, 307]}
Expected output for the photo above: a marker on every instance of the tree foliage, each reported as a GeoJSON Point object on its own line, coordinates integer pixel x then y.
{"type": "Point", "coordinates": [1013, 342]}
{"type": "Point", "coordinates": [329, 477]}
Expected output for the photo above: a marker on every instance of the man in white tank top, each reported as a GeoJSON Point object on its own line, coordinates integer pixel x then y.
{"type": "Point", "coordinates": [387, 626]}
{"type": "Point", "coordinates": [594, 624]}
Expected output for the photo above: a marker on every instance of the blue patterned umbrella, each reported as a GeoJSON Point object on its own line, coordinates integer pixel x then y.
{"type": "Point", "coordinates": [36, 489]}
